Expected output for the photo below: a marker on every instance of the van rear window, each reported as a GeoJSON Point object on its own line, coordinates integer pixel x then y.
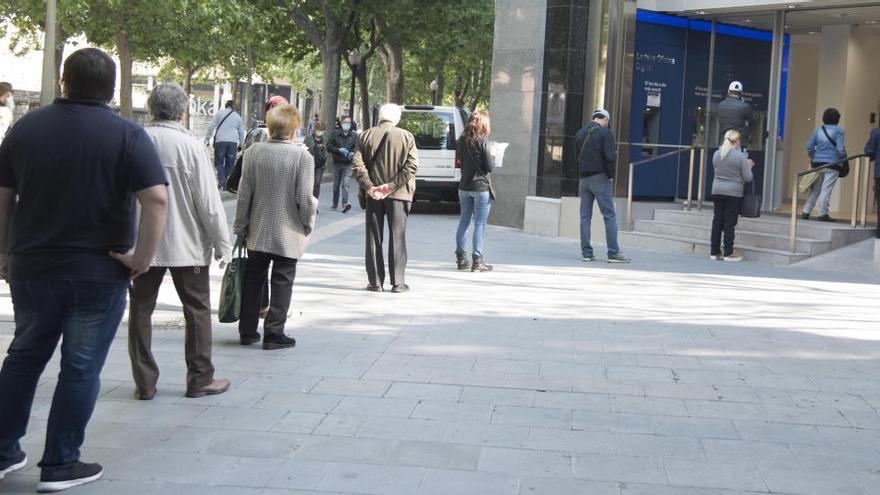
{"type": "Point", "coordinates": [432, 130]}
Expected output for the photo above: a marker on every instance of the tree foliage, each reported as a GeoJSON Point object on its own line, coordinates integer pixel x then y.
{"type": "Point", "coordinates": [406, 43]}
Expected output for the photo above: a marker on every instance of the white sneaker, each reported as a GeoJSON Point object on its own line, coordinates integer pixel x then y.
{"type": "Point", "coordinates": [733, 257]}
{"type": "Point", "coordinates": [13, 465]}
{"type": "Point", "coordinates": [588, 258]}
{"type": "Point", "coordinates": [715, 257]}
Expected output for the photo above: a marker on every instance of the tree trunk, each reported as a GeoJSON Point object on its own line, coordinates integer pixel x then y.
{"type": "Point", "coordinates": [187, 88]}
{"type": "Point", "coordinates": [365, 95]}
{"type": "Point", "coordinates": [441, 86]}
{"type": "Point", "coordinates": [478, 87]}
{"type": "Point", "coordinates": [61, 38]}
{"type": "Point", "coordinates": [330, 85]}
{"type": "Point", "coordinates": [392, 55]}
{"type": "Point", "coordinates": [124, 51]}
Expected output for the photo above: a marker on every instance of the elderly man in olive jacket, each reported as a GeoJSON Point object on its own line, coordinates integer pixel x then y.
{"type": "Point", "coordinates": [385, 164]}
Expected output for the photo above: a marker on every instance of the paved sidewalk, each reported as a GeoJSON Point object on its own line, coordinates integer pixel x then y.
{"type": "Point", "coordinates": [672, 375]}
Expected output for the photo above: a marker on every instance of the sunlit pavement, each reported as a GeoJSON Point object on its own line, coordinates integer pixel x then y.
{"type": "Point", "coordinates": [671, 375]}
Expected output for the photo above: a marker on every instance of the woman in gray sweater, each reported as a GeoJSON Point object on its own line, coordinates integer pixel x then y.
{"type": "Point", "coordinates": [733, 169]}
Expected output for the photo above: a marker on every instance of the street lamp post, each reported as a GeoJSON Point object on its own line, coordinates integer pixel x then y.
{"type": "Point", "coordinates": [354, 60]}
{"type": "Point", "coordinates": [434, 86]}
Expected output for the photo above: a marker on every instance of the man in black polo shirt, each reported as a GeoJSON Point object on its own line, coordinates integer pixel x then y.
{"type": "Point", "coordinates": [69, 176]}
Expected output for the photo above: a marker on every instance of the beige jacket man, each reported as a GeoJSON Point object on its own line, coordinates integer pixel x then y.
{"type": "Point", "coordinates": [387, 174]}
{"type": "Point", "coordinates": [396, 163]}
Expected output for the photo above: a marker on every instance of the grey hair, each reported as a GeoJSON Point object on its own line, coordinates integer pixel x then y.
{"type": "Point", "coordinates": [167, 101]}
{"type": "Point", "coordinates": [389, 112]}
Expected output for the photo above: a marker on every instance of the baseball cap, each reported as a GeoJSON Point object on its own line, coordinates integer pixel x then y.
{"type": "Point", "coordinates": [601, 113]}
{"type": "Point", "coordinates": [735, 86]}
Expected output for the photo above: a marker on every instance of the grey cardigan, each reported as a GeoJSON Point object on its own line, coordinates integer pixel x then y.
{"type": "Point", "coordinates": [731, 173]}
{"type": "Point", "coordinates": [276, 210]}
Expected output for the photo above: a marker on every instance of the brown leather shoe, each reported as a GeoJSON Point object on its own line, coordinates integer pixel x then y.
{"type": "Point", "coordinates": [141, 395]}
{"type": "Point", "coordinates": [215, 387]}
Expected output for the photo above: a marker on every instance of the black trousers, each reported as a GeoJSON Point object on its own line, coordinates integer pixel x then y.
{"type": "Point", "coordinates": [283, 273]}
{"type": "Point", "coordinates": [396, 212]}
{"type": "Point", "coordinates": [877, 199]}
{"type": "Point", "coordinates": [319, 174]}
{"type": "Point", "coordinates": [724, 221]}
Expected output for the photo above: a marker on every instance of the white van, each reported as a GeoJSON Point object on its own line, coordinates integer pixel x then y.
{"type": "Point", "coordinates": [436, 130]}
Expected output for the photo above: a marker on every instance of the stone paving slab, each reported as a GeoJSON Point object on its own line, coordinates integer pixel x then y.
{"type": "Point", "coordinates": [672, 375]}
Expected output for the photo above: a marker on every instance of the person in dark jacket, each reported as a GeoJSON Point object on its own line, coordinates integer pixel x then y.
{"type": "Point", "coordinates": [475, 192]}
{"type": "Point", "coordinates": [317, 147]}
{"type": "Point", "coordinates": [342, 146]}
{"type": "Point", "coordinates": [872, 149]}
{"type": "Point", "coordinates": [596, 157]}
{"type": "Point", "coordinates": [736, 114]}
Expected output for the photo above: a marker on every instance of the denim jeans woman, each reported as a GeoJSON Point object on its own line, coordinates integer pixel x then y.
{"type": "Point", "coordinates": [474, 190]}
{"type": "Point", "coordinates": [474, 205]}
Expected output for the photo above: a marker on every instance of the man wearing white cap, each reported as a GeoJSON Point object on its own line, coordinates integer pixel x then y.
{"type": "Point", "coordinates": [736, 114]}
{"type": "Point", "coordinates": [597, 159]}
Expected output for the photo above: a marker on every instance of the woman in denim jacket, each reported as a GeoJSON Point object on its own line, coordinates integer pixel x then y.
{"type": "Point", "coordinates": [825, 146]}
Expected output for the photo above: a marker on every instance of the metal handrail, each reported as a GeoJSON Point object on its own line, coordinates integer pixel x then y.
{"type": "Point", "coordinates": [654, 145]}
{"type": "Point", "coordinates": [679, 150]}
{"type": "Point", "coordinates": [857, 189]}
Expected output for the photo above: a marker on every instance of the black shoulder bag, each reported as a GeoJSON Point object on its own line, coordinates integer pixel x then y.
{"type": "Point", "coordinates": [843, 168]}
{"type": "Point", "coordinates": [362, 193]}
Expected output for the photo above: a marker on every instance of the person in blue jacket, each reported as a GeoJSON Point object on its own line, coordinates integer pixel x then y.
{"type": "Point", "coordinates": [872, 149]}
{"type": "Point", "coordinates": [825, 146]}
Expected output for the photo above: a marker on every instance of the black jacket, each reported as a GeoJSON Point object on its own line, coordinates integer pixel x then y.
{"type": "Point", "coordinates": [337, 141]}
{"type": "Point", "coordinates": [476, 165]}
{"type": "Point", "coordinates": [600, 152]}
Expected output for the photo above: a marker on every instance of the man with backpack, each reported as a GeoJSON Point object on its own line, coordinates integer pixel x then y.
{"type": "Point", "coordinates": [228, 137]}
{"type": "Point", "coordinates": [596, 158]}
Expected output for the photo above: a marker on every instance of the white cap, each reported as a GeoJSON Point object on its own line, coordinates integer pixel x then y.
{"type": "Point", "coordinates": [736, 86]}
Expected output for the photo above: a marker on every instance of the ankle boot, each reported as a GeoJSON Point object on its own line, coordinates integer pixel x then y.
{"type": "Point", "coordinates": [461, 260]}
{"type": "Point", "coordinates": [479, 266]}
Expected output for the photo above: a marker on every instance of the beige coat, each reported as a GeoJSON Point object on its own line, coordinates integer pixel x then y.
{"type": "Point", "coordinates": [276, 210]}
{"type": "Point", "coordinates": [196, 223]}
{"type": "Point", "coordinates": [396, 164]}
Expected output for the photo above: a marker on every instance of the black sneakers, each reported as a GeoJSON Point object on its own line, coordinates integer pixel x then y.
{"type": "Point", "coordinates": [280, 342]}
{"type": "Point", "coordinates": [78, 474]}
{"type": "Point", "coordinates": [14, 464]}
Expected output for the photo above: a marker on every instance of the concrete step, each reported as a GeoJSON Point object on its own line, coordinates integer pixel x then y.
{"type": "Point", "coordinates": [768, 224]}
{"type": "Point", "coordinates": [743, 236]}
{"type": "Point", "coordinates": [700, 246]}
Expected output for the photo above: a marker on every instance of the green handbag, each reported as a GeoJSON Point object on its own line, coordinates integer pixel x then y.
{"type": "Point", "coordinates": [233, 282]}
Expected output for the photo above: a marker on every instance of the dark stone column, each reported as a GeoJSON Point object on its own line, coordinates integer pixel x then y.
{"type": "Point", "coordinates": [562, 96]}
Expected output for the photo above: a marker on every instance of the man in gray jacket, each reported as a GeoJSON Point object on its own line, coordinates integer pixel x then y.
{"type": "Point", "coordinates": [385, 164]}
{"type": "Point", "coordinates": [734, 113]}
{"type": "Point", "coordinates": [195, 228]}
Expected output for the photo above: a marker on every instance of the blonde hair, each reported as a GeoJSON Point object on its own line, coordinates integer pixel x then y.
{"type": "Point", "coordinates": [477, 127]}
{"type": "Point", "coordinates": [731, 141]}
{"type": "Point", "coordinates": [282, 121]}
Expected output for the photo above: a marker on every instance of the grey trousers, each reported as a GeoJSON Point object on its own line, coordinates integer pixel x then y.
{"type": "Point", "coordinates": [193, 287]}
{"type": "Point", "coordinates": [396, 211]}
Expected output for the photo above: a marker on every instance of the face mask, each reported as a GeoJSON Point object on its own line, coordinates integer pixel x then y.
{"type": "Point", "coordinates": [319, 133]}
{"type": "Point", "coordinates": [346, 127]}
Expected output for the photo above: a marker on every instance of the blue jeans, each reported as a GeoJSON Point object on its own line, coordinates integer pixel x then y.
{"type": "Point", "coordinates": [821, 191]}
{"type": "Point", "coordinates": [341, 179]}
{"type": "Point", "coordinates": [85, 316]}
{"type": "Point", "coordinates": [598, 187]}
{"type": "Point", "coordinates": [224, 159]}
{"type": "Point", "coordinates": [477, 205]}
